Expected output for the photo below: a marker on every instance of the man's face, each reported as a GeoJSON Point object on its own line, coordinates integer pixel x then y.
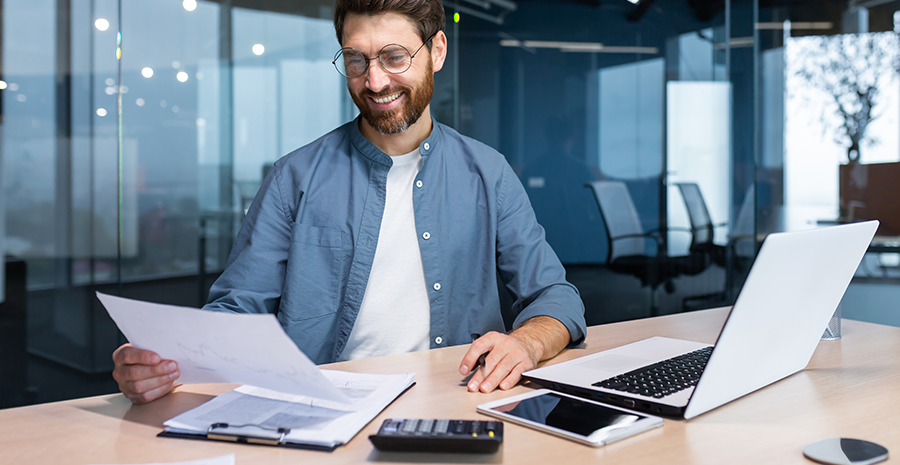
{"type": "Point", "coordinates": [390, 103]}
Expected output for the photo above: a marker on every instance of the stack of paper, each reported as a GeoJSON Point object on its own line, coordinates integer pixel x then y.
{"type": "Point", "coordinates": [283, 390]}
{"type": "Point", "coordinates": [256, 412]}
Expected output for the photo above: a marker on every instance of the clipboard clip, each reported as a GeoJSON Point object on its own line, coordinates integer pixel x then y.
{"type": "Point", "coordinates": [247, 434]}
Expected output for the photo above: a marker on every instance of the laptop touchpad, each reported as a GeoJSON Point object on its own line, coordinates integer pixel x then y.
{"type": "Point", "coordinates": [614, 363]}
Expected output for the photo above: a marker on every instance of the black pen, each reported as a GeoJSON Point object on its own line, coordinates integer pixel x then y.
{"type": "Point", "coordinates": [481, 361]}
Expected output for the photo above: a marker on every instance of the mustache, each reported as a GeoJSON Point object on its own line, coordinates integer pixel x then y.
{"type": "Point", "coordinates": [385, 92]}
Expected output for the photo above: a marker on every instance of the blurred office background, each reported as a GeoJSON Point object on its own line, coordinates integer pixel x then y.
{"type": "Point", "coordinates": [134, 133]}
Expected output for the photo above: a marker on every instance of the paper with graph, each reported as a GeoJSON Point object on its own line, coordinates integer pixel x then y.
{"type": "Point", "coordinates": [220, 347]}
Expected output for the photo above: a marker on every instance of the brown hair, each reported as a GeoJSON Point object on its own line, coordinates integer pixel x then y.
{"type": "Point", "coordinates": [427, 15]}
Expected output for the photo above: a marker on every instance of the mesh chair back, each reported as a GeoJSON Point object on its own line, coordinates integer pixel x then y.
{"type": "Point", "coordinates": [701, 223]}
{"type": "Point", "coordinates": [621, 219]}
{"type": "Point", "coordinates": [743, 234]}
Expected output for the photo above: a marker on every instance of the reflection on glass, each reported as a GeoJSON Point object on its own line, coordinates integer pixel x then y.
{"type": "Point", "coordinates": [575, 416]}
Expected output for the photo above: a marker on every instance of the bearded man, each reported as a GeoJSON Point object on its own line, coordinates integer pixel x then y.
{"type": "Point", "coordinates": [387, 234]}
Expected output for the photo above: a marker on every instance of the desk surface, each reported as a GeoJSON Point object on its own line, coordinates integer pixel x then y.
{"type": "Point", "coordinates": [849, 389]}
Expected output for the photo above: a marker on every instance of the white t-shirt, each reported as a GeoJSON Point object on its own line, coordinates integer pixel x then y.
{"type": "Point", "coordinates": [395, 314]}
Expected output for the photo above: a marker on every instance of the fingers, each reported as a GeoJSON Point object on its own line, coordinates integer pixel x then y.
{"type": "Point", "coordinates": [127, 355]}
{"type": "Point", "coordinates": [151, 395]}
{"type": "Point", "coordinates": [479, 347]}
{"type": "Point", "coordinates": [141, 375]}
{"type": "Point", "coordinates": [504, 364]}
{"type": "Point", "coordinates": [506, 373]}
{"type": "Point", "coordinates": [476, 380]}
{"type": "Point", "coordinates": [144, 383]}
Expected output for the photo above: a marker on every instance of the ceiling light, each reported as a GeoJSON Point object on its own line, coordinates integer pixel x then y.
{"type": "Point", "coordinates": [147, 72]}
{"type": "Point", "coordinates": [181, 76]}
{"type": "Point", "coordinates": [101, 24]}
{"type": "Point", "coordinates": [101, 112]}
{"type": "Point", "coordinates": [189, 5]}
{"type": "Point", "coordinates": [258, 49]}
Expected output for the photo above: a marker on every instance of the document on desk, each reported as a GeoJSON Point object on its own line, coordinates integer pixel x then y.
{"type": "Point", "coordinates": [221, 347]}
{"type": "Point", "coordinates": [250, 412]}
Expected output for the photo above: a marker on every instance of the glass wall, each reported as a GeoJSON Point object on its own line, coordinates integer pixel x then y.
{"type": "Point", "coordinates": [135, 133]}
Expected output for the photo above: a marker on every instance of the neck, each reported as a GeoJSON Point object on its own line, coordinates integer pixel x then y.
{"type": "Point", "coordinates": [402, 143]}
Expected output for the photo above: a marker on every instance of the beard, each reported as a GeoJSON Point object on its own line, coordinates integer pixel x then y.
{"type": "Point", "coordinates": [399, 119]}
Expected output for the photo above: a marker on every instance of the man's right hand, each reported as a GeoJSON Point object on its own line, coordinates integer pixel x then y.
{"type": "Point", "coordinates": [142, 375]}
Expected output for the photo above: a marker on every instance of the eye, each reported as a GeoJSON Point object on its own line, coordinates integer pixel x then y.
{"type": "Point", "coordinates": [354, 60]}
{"type": "Point", "coordinates": [394, 57]}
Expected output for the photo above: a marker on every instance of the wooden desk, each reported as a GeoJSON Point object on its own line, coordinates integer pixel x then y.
{"type": "Point", "coordinates": [850, 389]}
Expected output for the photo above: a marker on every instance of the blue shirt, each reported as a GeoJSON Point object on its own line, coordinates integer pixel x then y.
{"type": "Point", "coordinates": [305, 249]}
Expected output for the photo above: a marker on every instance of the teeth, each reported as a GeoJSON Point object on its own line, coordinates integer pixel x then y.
{"type": "Point", "coordinates": [388, 99]}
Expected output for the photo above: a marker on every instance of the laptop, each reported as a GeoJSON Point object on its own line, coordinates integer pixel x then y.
{"type": "Point", "coordinates": [794, 286]}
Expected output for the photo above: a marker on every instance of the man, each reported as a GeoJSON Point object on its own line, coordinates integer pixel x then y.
{"type": "Point", "coordinates": [386, 235]}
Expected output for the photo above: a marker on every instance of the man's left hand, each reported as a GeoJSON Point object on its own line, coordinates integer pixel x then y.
{"type": "Point", "coordinates": [508, 356]}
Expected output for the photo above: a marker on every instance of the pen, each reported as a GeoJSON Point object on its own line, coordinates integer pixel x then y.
{"type": "Point", "coordinates": [481, 361]}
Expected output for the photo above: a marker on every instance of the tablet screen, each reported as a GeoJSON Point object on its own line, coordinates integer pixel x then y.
{"type": "Point", "coordinates": [568, 414]}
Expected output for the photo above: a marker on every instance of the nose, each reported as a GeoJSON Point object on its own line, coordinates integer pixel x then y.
{"type": "Point", "coordinates": [376, 77]}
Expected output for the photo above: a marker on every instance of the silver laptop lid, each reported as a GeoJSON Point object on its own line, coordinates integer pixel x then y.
{"type": "Point", "coordinates": [796, 283]}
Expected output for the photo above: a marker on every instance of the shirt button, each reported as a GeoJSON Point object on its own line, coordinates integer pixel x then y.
{"type": "Point", "coordinates": [426, 235]}
{"type": "Point", "coordinates": [437, 286]}
{"type": "Point", "coordinates": [427, 146]}
{"type": "Point", "coordinates": [419, 183]}
{"type": "Point", "coordinates": [438, 340]}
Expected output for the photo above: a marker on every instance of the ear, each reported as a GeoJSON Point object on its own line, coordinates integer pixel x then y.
{"type": "Point", "coordinates": [438, 51]}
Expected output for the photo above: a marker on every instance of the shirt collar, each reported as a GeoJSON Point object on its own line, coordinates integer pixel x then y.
{"type": "Point", "coordinates": [370, 151]}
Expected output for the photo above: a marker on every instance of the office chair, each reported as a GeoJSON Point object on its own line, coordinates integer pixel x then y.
{"type": "Point", "coordinates": [741, 246]}
{"type": "Point", "coordinates": [736, 256]}
{"type": "Point", "coordinates": [627, 242]}
{"type": "Point", "coordinates": [702, 227]}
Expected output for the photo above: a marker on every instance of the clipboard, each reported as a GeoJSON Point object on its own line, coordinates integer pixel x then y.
{"type": "Point", "coordinates": [247, 434]}
{"type": "Point", "coordinates": [263, 435]}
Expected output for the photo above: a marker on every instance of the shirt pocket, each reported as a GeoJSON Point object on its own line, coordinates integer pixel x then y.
{"type": "Point", "coordinates": [312, 285]}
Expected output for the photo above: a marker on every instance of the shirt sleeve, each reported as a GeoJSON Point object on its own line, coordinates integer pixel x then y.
{"type": "Point", "coordinates": [254, 274]}
{"type": "Point", "coordinates": [528, 266]}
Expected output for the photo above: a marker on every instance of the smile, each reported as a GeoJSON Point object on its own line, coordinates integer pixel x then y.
{"type": "Point", "coordinates": [388, 99]}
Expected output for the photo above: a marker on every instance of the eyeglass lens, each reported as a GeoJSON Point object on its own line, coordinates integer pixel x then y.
{"type": "Point", "coordinates": [393, 59]}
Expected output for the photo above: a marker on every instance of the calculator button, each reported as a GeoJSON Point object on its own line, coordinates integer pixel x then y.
{"type": "Point", "coordinates": [409, 426]}
{"type": "Point", "coordinates": [459, 427]}
{"type": "Point", "coordinates": [425, 426]}
{"type": "Point", "coordinates": [441, 426]}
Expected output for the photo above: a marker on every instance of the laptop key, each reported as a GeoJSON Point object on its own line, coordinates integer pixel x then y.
{"type": "Point", "coordinates": [662, 378]}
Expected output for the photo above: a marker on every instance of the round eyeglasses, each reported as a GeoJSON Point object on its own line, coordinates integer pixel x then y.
{"type": "Point", "coordinates": [393, 58]}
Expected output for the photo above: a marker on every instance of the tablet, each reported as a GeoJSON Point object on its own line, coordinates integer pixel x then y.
{"type": "Point", "coordinates": [570, 417]}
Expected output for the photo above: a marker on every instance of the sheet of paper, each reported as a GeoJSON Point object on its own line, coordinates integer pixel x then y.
{"type": "Point", "coordinates": [222, 460]}
{"type": "Point", "coordinates": [220, 347]}
{"type": "Point", "coordinates": [311, 421]}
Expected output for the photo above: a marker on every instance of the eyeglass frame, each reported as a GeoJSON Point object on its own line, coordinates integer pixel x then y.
{"type": "Point", "coordinates": [340, 52]}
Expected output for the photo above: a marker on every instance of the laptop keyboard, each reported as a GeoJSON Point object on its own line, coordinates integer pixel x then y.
{"type": "Point", "coordinates": [662, 378]}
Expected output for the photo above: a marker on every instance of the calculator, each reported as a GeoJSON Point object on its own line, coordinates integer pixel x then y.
{"type": "Point", "coordinates": [430, 435]}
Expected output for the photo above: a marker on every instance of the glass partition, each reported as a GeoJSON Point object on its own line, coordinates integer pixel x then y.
{"type": "Point", "coordinates": [714, 123]}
